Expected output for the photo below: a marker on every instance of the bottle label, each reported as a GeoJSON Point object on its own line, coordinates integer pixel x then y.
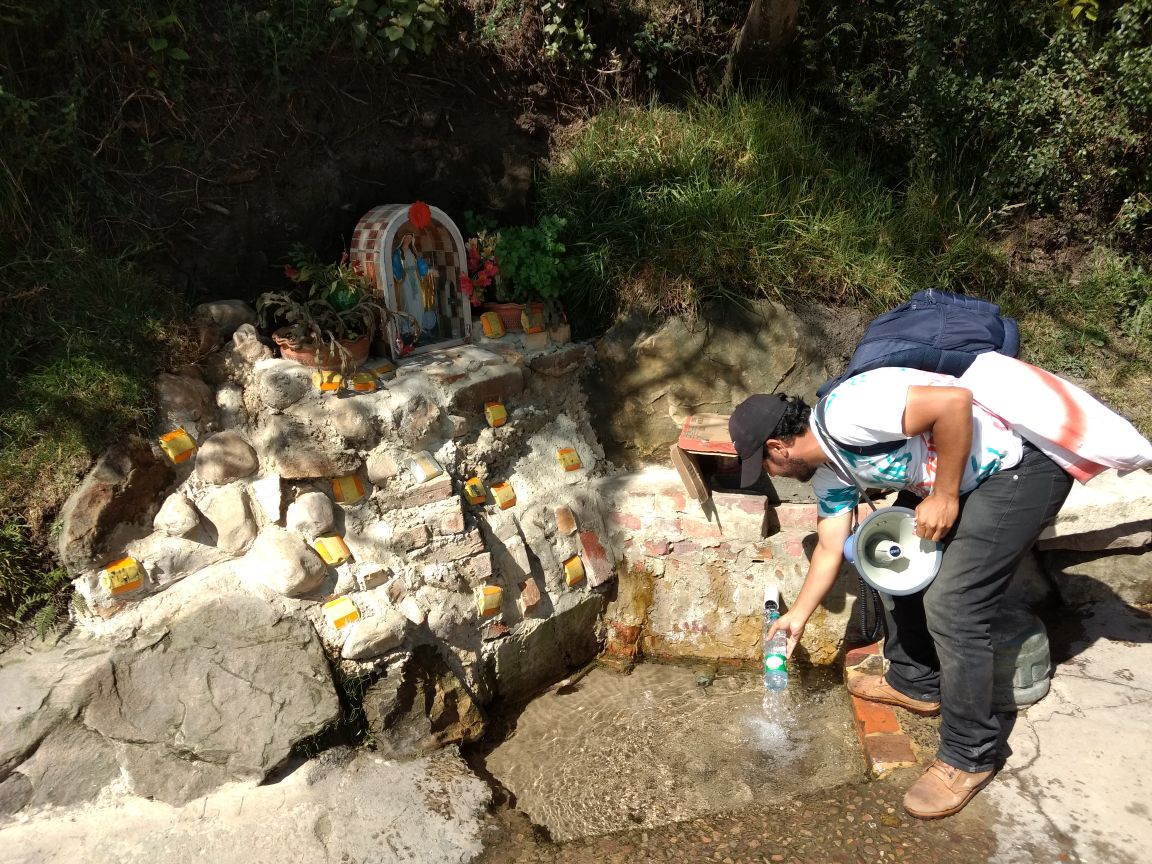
{"type": "Point", "coordinates": [774, 662]}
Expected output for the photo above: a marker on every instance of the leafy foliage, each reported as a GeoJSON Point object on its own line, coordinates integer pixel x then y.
{"type": "Point", "coordinates": [566, 36]}
{"type": "Point", "coordinates": [531, 259]}
{"type": "Point", "coordinates": [1045, 104]}
{"type": "Point", "coordinates": [396, 30]}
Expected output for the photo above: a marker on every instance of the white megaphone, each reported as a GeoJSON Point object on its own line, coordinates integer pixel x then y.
{"type": "Point", "coordinates": [889, 555]}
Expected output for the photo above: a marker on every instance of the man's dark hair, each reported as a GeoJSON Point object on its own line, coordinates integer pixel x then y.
{"type": "Point", "coordinates": [794, 422]}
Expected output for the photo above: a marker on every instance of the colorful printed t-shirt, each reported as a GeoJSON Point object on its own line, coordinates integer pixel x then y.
{"type": "Point", "coordinates": [869, 408]}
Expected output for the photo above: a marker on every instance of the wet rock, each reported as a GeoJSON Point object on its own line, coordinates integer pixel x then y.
{"type": "Point", "coordinates": [540, 652]}
{"type": "Point", "coordinates": [421, 705]}
{"type": "Point", "coordinates": [225, 457]}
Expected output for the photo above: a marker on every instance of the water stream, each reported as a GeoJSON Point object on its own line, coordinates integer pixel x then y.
{"type": "Point", "coordinates": [666, 743]}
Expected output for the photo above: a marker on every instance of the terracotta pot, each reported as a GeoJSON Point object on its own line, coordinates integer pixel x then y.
{"type": "Point", "coordinates": [510, 313]}
{"type": "Point", "coordinates": [307, 354]}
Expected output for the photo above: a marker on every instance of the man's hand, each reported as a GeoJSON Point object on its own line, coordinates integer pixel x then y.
{"type": "Point", "coordinates": [792, 623]}
{"type": "Point", "coordinates": [936, 515]}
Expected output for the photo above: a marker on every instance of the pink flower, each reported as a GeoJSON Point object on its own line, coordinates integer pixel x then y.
{"type": "Point", "coordinates": [291, 272]}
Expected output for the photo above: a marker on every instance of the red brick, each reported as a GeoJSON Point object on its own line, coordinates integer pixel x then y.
{"type": "Point", "coordinates": [626, 520]}
{"type": "Point", "coordinates": [794, 548]}
{"type": "Point", "coordinates": [565, 521]}
{"type": "Point", "coordinates": [667, 527]}
{"type": "Point", "coordinates": [887, 751]}
{"type": "Point", "coordinates": [454, 550]}
{"type": "Point", "coordinates": [687, 546]}
{"type": "Point", "coordinates": [478, 569]}
{"type": "Point", "coordinates": [561, 362]}
{"type": "Point", "coordinates": [449, 520]}
{"type": "Point", "coordinates": [700, 530]}
{"type": "Point", "coordinates": [797, 515]}
{"type": "Point", "coordinates": [598, 567]}
{"type": "Point", "coordinates": [452, 523]}
{"type": "Point", "coordinates": [873, 717]}
{"type": "Point", "coordinates": [529, 595]}
{"type": "Point", "coordinates": [428, 492]}
{"type": "Point", "coordinates": [627, 634]}
{"type": "Point", "coordinates": [657, 547]}
{"type": "Point", "coordinates": [858, 655]}
{"type": "Point", "coordinates": [409, 539]}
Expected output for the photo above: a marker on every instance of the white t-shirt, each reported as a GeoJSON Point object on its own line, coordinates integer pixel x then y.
{"type": "Point", "coordinates": [869, 408]}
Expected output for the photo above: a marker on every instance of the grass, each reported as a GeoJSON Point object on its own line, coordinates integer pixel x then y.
{"type": "Point", "coordinates": [86, 335]}
{"type": "Point", "coordinates": [670, 208]}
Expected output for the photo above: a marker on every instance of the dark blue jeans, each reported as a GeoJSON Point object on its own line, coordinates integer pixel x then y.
{"type": "Point", "coordinates": [939, 640]}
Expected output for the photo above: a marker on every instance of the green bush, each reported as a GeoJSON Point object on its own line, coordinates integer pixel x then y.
{"type": "Point", "coordinates": [1039, 103]}
{"type": "Point", "coordinates": [396, 30]}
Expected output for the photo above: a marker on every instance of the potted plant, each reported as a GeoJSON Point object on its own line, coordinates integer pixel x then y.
{"type": "Point", "coordinates": [531, 260]}
{"type": "Point", "coordinates": [518, 267]}
{"type": "Point", "coordinates": [330, 317]}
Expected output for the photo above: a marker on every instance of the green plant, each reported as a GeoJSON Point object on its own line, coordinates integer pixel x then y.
{"type": "Point", "coordinates": [531, 260]}
{"type": "Point", "coordinates": [332, 304]}
{"type": "Point", "coordinates": [395, 29]}
{"type": "Point", "coordinates": [566, 36]}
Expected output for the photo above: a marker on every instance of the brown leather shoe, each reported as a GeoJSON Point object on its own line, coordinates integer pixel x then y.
{"type": "Point", "coordinates": [875, 689]}
{"type": "Point", "coordinates": [943, 790]}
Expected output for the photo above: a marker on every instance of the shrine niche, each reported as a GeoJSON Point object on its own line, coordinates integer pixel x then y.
{"type": "Point", "coordinates": [414, 253]}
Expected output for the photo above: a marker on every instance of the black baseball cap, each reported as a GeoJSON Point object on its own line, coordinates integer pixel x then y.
{"type": "Point", "coordinates": [751, 424]}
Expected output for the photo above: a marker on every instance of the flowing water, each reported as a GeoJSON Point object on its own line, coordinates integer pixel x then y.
{"type": "Point", "coordinates": [665, 743]}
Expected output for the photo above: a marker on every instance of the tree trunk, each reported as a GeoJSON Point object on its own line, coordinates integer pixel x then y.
{"type": "Point", "coordinates": [769, 28]}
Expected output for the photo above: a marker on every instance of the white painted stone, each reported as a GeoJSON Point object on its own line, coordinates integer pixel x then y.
{"type": "Point", "coordinates": [230, 406]}
{"type": "Point", "coordinates": [372, 637]}
{"type": "Point", "coordinates": [311, 515]}
{"type": "Point", "coordinates": [268, 495]}
{"type": "Point", "coordinates": [227, 511]}
{"type": "Point", "coordinates": [247, 345]}
{"type": "Point", "coordinates": [411, 609]}
{"type": "Point", "coordinates": [176, 516]}
{"type": "Point", "coordinates": [282, 562]}
{"type": "Point", "coordinates": [225, 457]}
{"type": "Point", "coordinates": [281, 383]}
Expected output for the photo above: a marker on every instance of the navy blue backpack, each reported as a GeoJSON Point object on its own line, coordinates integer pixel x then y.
{"type": "Point", "coordinates": [936, 331]}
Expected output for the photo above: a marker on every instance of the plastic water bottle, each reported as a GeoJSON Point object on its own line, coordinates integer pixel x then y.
{"type": "Point", "coordinates": [775, 649]}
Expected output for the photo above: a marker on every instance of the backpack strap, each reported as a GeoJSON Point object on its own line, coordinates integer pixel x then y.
{"type": "Point", "coordinates": [838, 463]}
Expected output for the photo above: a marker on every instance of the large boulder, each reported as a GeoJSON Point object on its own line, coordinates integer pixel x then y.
{"type": "Point", "coordinates": [649, 377]}
{"type": "Point", "coordinates": [419, 705]}
{"type": "Point", "coordinates": [113, 505]}
{"type": "Point", "coordinates": [220, 691]}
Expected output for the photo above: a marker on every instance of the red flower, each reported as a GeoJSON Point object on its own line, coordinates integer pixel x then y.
{"type": "Point", "coordinates": [291, 272]}
{"type": "Point", "coordinates": [419, 215]}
